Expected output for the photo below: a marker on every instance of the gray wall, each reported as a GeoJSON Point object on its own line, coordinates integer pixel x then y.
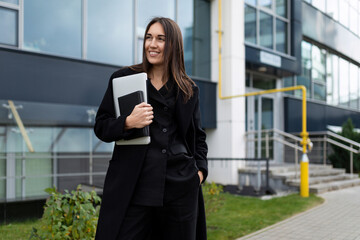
{"type": "Point", "coordinates": [57, 87]}
{"type": "Point", "coordinates": [319, 115]}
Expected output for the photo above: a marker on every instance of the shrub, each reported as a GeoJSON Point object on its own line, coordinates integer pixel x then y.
{"type": "Point", "coordinates": [341, 157]}
{"type": "Point", "coordinates": [69, 216]}
{"type": "Point", "coordinates": [212, 197]}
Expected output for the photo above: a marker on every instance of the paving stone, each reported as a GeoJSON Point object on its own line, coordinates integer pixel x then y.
{"type": "Point", "coordinates": [338, 218]}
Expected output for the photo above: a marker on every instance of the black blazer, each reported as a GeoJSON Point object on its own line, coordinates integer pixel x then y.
{"type": "Point", "coordinates": [126, 162]}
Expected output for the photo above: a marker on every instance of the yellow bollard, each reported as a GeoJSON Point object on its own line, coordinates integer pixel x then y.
{"type": "Point", "coordinates": [304, 176]}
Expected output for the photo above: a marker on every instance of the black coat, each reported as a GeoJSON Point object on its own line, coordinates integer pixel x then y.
{"type": "Point", "coordinates": [126, 163]}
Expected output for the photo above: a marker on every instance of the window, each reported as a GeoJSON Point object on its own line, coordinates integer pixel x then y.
{"type": "Point", "coordinates": [281, 8]}
{"type": "Point", "coordinates": [8, 26]}
{"type": "Point", "coordinates": [266, 30]}
{"type": "Point", "coordinates": [106, 41]}
{"type": "Point", "coordinates": [250, 24]}
{"type": "Point", "coordinates": [354, 83]}
{"type": "Point", "coordinates": [332, 9]}
{"type": "Point", "coordinates": [265, 3]}
{"type": "Point", "coordinates": [11, 1]}
{"type": "Point", "coordinates": [347, 12]}
{"type": "Point", "coordinates": [330, 80]}
{"type": "Point", "coordinates": [281, 36]}
{"type": "Point", "coordinates": [343, 82]}
{"type": "Point", "coordinates": [53, 27]}
{"type": "Point", "coordinates": [186, 23]}
{"type": "Point", "coordinates": [149, 9]}
{"type": "Point", "coordinates": [267, 24]}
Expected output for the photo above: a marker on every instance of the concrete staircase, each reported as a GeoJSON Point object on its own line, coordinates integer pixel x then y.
{"type": "Point", "coordinates": [286, 177]}
{"type": "Point", "coordinates": [321, 178]}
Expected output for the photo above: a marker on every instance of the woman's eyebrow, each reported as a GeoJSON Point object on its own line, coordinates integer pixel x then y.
{"type": "Point", "coordinates": [160, 35]}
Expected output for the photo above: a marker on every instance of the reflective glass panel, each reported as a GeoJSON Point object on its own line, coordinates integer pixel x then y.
{"type": "Point", "coordinates": [318, 64]}
{"type": "Point", "coordinates": [281, 36]}
{"type": "Point", "coordinates": [306, 59]}
{"type": "Point", "coordinates": [14, 140]}
{"type": "Point", "coordinates": [332, 9]}
{"type": "Point", "coordinates": [301, 80]}
{"type": "Point", "coordinates": [8, 26]}
{"type": "Point", "coordinates": [2, 139]}
{"type": "Point", "coordinates": [253, 2]}
{"type": "Point", "coordinates": [266, 30]}
{"type": "Point", "coordinates": [186, 21]}
{"type": "Point", "coordinates": [359, 89]}
{"type": "Point", "coordinates": [353, 20]}
{"type": "Point", "coordinates": [266, 3]}
{"type": "Point", "coordinates": [335, 74]}
{"type": "Point", "coordinates": [263, 83]}
{"type": "Point", "coordinates": [42, 138]}
{"type": "Point", "coordinates": [344, 13]}
{"type": "Point", "coordinates": [10, 1]}
{"type": "Point", "coordinates": [319, 92]}
{"type": "Point", "coordinates": [148, 10]}
{"type": "Point", "coordinates": [250, 24]}
{"type": "Point", "coordinates": [320, 4]}
{"type": "Point", "coordinates": [344, 82]}
{"type": "Point", "coordinates": [110, 31]}
{"type": "Point", "coordinates": [2, 162]}
{"type": "Point", "coordinates": [329, 80]}
{"type": "Point", "coordinates": [288, 82]}
{"type": "Point", "coordinates": [53, 27]}
{"type": "Point", "coordinates": [354, 84]}
{"type": "Point", "coordinates": [38, 164]}
{"type": "Point", "coordinates": [74, 140]}
{"type": "Point", "coordinates": [281, 8]}
{"type": "Point", "coordinates": [2, 174]}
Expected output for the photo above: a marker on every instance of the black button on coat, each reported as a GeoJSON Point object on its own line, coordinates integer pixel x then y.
{"type": "Point", "coordinates": [127, 160]}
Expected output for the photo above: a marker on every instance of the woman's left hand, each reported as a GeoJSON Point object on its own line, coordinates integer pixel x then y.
{"type": "Point", "coordinates": [201, 176]}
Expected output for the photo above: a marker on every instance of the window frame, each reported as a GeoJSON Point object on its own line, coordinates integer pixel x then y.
{"type": "Point", "coordinates": [19, 8]}
{"type": "Point", "coordinates": [272, 11]}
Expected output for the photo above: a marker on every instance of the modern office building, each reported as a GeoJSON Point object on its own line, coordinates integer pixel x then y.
{"type": "Point", "coordinates": [56, 58]}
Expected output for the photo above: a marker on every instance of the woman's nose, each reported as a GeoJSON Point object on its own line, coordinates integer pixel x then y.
{"type": "Point", "coordinates": [153, 43]}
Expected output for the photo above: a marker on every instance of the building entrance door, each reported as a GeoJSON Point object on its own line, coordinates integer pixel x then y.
{"type": "Point", "coordinates": [259, 115]}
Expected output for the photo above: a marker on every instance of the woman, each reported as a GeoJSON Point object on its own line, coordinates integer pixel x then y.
{"type": "Point", "coordinates": [153, 191]}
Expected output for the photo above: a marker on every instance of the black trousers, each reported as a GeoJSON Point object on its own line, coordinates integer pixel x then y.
{"type": "Point", "coordinates": [175, 220]}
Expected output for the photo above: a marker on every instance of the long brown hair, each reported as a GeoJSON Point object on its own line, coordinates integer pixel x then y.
{"type": "Point", "coordinates": [173, 57]}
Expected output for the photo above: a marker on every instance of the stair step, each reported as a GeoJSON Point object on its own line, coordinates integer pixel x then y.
{"type": "Point", "coordinates": [312, 173]}
{"type": "Point", "coordinates": [322, 179]}
{"type": "Point", "coordinates": [330, 186]}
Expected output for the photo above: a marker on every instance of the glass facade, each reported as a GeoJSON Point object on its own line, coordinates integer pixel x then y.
{"type": "Point", "coordinates": [346, 12]}
{"type": "Point", "coordinates": [58, 29]}
{"type": "Point", "coordinates": [108, 42]}
{"type": "Point", "coordinates": [267, 24]}
{"type": "Point", "coordinates": [8, 26]}
{"type": "Point", "coordinates": [107, 32]}
{"type": "Point", "coordinates": [61, 153]}
{"type": "Point", "coordinates": [327, 77]}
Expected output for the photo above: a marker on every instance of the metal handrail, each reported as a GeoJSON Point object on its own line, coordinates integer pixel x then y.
{"type": "Point", "coordinates": [280, 140]}
{"type": "Point", "coordinates": [354, 147]}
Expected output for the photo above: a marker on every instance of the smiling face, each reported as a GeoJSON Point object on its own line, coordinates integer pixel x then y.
{"type": "Point", "coordinates": [155, 44]}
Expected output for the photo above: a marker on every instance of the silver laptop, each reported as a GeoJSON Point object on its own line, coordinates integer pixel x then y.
{"type": "Point", "coordinates": [123, 86]}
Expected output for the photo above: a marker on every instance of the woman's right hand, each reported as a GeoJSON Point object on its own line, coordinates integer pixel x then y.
{"type": "Point", "coordinates": [141, 116]}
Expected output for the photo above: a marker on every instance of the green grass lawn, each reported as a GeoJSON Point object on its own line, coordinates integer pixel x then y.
{"type": "Point", "coordinates": [18, 230]}
{"type": "Point", "coordinates": [238, 216]}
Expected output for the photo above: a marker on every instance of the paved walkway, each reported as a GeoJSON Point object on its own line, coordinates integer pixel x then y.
{"type": "Point", "coordinates": [338, 218]}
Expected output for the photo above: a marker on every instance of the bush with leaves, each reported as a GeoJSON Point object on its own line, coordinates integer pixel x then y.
{"type": "Point", "coordinates": [212, 197]}
{"type": "Point", "coordinates": [69, 216]}
{"type": "Point", "coordinates": [341, 157]}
